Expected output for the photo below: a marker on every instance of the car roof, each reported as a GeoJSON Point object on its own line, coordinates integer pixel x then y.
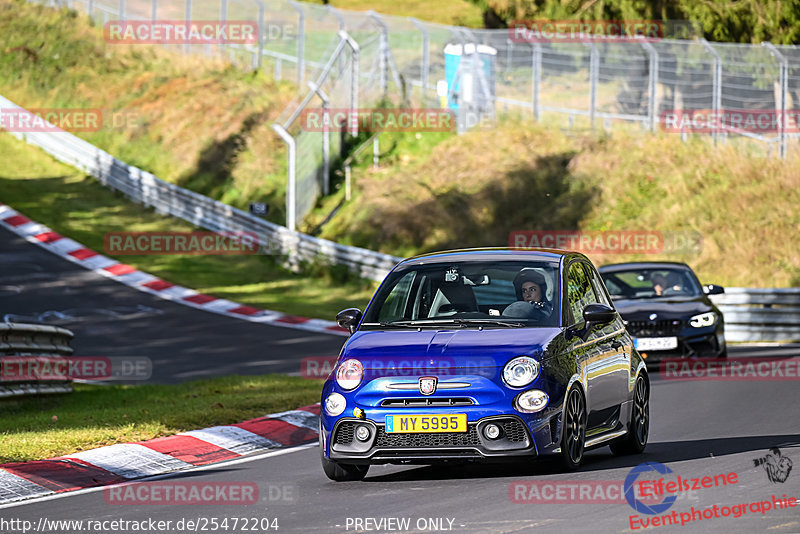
{"type": "Point", "coordinates": [492, 254]}
{"type": "Point", "coordinates": [616, 267]}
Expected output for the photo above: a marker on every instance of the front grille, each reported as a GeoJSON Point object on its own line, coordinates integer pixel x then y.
{"type": "Point", "coordinates": [667, 327]}
{"type": "Point", "coordinates": [434, 439]}
{"type": "Point", "coordinates": [427, 401]}
{"type": "Point", "coordinates": [345, 433]}
{"type": "Point", "coordinates": [514, 431]}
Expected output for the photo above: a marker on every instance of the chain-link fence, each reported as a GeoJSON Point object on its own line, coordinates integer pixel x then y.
{"type": "Point", "coordinates": [688, 87]}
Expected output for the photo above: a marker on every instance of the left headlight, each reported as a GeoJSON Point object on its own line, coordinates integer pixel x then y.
{"type": "Point", "coordinates": [349, 374]}
{"type": "Point", "coordinates": [703, 319]}
{"type": "Point", "coordinates": [520, 371]}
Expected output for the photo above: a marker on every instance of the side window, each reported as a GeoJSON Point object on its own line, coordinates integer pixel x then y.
{"type": "Point", "coordinates": [599, 288]}
{"type": "Point", "coordinates": [394, 306]}
{"type": "Point", "coordinates": [579, 292]}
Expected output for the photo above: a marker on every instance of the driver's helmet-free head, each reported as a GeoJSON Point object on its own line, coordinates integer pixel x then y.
{"type": "Point", "coordinates": [529, 274]}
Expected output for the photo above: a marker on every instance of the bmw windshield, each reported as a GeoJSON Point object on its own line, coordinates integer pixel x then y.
{"type": "Point", "coordinates": [651, 283]}
{"type": "Point", "coordinates": [451, 295]}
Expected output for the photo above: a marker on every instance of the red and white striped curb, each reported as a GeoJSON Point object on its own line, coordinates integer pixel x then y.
{"type": "Point", "coordinates": [128, 461]}
{"type": "Point", "coordinates": [75, 252]}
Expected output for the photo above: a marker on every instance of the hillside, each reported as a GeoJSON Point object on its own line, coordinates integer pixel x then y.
{"type": "Point", "coordinates": [473, 190]}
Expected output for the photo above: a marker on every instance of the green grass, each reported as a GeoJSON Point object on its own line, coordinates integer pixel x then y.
{"type": "Point", "coordinates": [77, 206]}
{"type": "Point", "coordinates": [453, 12]}
{"type": "Point", "coordinates": [34, 428]}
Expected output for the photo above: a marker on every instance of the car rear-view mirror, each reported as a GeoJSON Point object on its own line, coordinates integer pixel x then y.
{"type": "Point", "coordinates": [713, 289]}
{"type": "Point", "coordinates": [349, 319]}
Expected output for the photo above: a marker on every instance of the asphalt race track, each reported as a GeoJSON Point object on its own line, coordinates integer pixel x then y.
{"type": "Point", "coordinates": [112, 319]}
{"type": "Point", "coordinates": [698, 429]}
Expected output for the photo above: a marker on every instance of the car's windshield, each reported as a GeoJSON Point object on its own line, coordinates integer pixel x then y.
{"type": "Point", "coordinates": [489, 295]}
{"type": "Point", "coordinates": [651, 283]}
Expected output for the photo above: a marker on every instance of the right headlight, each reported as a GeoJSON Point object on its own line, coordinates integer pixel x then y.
{"type": "Point", "coordinates": [349, 374]}
{"type": "Point", "coordinates": [335, 404]}
{"type": "Point", "coordinates": [520, 371]}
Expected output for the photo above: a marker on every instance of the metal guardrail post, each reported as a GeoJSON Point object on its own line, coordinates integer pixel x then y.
{"type": "Point", "coordinates": [291, 168]}
{"type": "Point", "coordinates": [536, 80]}
{"type": "Point", "coordinates": [335, 13]}
{"type": "Point", "coordinates": [783, 76]}
{"type": "Point", "coordinates": [223, 17]}
{"type": "Point", "coordinates": [426, 60]}
{"type": "Point", "coordinates": [326, 140]}
{"type": "Point", "coordinates": [301, 42]}
{"type": "Point", "coordinates": [652, 84]}
{"type": "Point", "coordinates": [593, 75]}
{"type": "Point", "coordinates": [716, 91]}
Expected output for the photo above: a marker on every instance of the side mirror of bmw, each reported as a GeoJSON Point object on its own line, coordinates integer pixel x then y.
{"type": "Point", "coordinates": [713, 289]}
{"type": "Point", "coordinates": [349, 319]}
{"type": "Point", "coordinates": [598, 314]}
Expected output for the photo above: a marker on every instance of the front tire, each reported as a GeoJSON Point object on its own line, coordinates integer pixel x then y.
{"type": "Point", "coordinates": [635, 440]}
{"type": "Point", "coordinates": [573, 431]}
{"type": "Point", "coordinates": [343, 472]}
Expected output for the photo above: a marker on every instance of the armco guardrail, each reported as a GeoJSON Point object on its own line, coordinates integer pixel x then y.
{"type": "Point", "coordinates": [143, 187]}
{"type": "Point", "coordinates": [760, 314]}
{"type": "Point", "coordinates": [20, 340]}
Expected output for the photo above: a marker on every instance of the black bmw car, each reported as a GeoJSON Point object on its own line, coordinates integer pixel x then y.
{"type": "Point", "coordinates": [667, 310]}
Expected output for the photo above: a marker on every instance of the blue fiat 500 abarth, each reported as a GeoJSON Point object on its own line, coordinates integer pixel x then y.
{"type": "Point", "coordinates": [486, 354]}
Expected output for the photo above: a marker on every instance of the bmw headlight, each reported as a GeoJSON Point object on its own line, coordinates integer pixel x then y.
{"type": "Point", "coordinates": [704, 319]}
{"type": "Point", "coordinates": [349, 374]}
{"type": "Point", "coordinates": [335, 404]}
{"type": "Point", "coordinates": [520, 371]}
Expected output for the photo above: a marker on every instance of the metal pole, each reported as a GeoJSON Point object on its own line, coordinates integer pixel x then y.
{"type": "Point", "coordinates": [260, 31]}
{"type": "Point", "coordinates": [335, 13]}
{"type": "Point", "coordinates": [716, 91]}
{"type": "Point", "coordinates": [593, 74]}
{"type": "Point", "coordinates": [121, 10]}
{"type": "Point", "coordinates": [376, 152]}
{"type": "Point", "coordinates": [223, 17]}
{"type": "Point", "coordinates": [652, 101]}
{"type": "Point", "coordinates": [188, 22]}
{"type": "Point", "coordinates": [537, 80]}
{"type": "Point", "coordinates": [301, 42]}
{"type": "Point", "coordinates": [354, 74]}
{"type": "Point", "coordinates": [383, 52]}
{"type": "Point", "coordinates": [90, 8]}
{"type": "Point", "coordinates": [290, 183]}
{"type": "Point", "coordinates": [426, 66]}
{"type": "Point", "coordinates": [783, 76]}
{"type": "Point", "coordinates": [326, 141]}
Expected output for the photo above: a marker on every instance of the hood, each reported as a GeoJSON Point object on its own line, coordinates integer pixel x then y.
{"type": "Point", "coordinates": [665, 307]}
{"type": "Point", "coordinates": [437, 349]}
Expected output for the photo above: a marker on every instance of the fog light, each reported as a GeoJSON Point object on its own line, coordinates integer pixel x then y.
{"type": "Point", "coordinates": [491, 431]}
{"type": "Point", "coordinates": [362, 433]}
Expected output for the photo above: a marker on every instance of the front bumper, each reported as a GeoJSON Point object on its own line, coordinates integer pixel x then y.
{"type": "Point", "coordinates": [692, 343]}
{"type": "Point", "coordinates": [516, 439]}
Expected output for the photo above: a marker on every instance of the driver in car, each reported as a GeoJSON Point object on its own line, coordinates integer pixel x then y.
{"type": "Point", "coordinates": [531, 289]}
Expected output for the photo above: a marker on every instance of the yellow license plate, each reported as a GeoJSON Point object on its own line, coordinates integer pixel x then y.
{"type": "Point", "coordinates": [426, 423]}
